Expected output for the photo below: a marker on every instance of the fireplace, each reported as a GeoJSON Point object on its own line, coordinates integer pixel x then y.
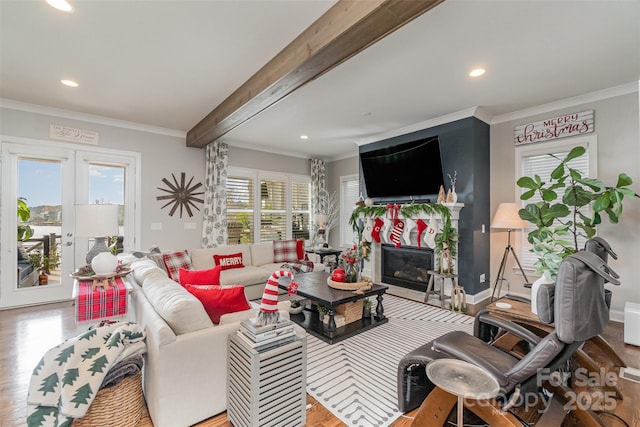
{"type": "Point", "coordinates": [406, 266]}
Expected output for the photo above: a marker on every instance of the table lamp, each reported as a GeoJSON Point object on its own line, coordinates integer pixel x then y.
{"type": "Point", "coordinates": [99, 222]}
{"type": "Point", "coordinates": [507, 217]}
{"type": "Point", "coordinates": [321, 221]}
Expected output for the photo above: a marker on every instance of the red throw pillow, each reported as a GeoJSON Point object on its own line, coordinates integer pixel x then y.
{"type": "Point", "coordinates": [219, 300]}
{"type": "Point", "coordinates": [229, 261]}
{"type": "Point", "coordinates": [210, 276]}
{"type": "Point", "coordinates": [300, 248]}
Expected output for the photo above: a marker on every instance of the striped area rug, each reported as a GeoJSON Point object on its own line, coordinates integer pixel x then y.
{"type": "Point", "coordinates": [356, 378]}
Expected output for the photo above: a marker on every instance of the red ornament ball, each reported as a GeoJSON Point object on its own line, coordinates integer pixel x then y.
{"type": "Point", "coordinates": [338, 275]}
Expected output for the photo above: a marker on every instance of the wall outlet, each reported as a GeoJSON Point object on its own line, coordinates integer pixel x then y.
{"type": "Point", "coordinates": [483, 278]}
{"type": "Point", "coordinates": [155, 226]}
{"type": "Point", "coordinates": [189, 225]}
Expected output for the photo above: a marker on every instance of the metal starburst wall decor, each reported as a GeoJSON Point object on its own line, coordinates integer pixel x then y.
{"type": "Point", "coordinates": [181, 195]}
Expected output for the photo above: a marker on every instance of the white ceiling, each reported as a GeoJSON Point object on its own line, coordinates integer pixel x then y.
{"type": "Point", "coordinates": [169, 63]}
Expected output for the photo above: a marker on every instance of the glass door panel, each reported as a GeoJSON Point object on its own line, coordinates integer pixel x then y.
{"type": "Point", "coordinates": [38, 259]}
{"type": "Point", "coordinates": [107, 186]}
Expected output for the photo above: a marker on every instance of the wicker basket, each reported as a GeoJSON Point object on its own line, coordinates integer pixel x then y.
{"type": "Point", "coordinates": [351, 311]}
{"type": "Point", "coordinates": [117, 406]}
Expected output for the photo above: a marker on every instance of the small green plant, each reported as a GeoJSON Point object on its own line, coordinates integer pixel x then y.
{"type": "Point", "coordinates": [322, 309]}
{"type": "Point", "coordinates": [47, 263]}
{"type": "Point", "coordinates": [447, 247]}
{"type": "Point", "coordinates": [571, 207]}
{"type": "Point", "coordinates": [25, 232]}
{"type": "Point", "coordinates": [366, 304]}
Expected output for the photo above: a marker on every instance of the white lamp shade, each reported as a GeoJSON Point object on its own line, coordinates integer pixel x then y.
{"type": "Point", "coordinates": [507, 217]}
{"type": "Point", "coordinates": [96, 220]}
{"type": "Point", "coordinates": [321, 218]}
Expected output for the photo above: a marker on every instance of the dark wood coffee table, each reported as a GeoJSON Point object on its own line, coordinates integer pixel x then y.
{"type": "Point", "coordinates": [314, 287]}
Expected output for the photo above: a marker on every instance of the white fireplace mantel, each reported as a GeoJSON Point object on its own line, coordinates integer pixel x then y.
{"type": "Point", "coordinates": [372, 267]}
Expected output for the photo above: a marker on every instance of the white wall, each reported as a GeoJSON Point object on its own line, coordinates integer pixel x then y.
{"type": "Point", "coordinates": [335, 170]}
{"type": "Point", "coordinates": [163, 152]}
{"type": "Point", "coordinates": [261, 160]}
{"type": "Point", "coordinates": [617, 129]}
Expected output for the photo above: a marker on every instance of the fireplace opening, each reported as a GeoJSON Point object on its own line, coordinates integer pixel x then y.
{"type": "Point", "coordinates": [406, 266]}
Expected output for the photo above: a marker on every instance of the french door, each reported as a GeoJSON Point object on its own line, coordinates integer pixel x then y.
{"type": "Point", "coordinates": [51, 179]}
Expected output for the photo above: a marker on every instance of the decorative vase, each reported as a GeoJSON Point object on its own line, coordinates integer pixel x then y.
{"type": "Point", "coordinates": [352, 273]}
{"type": "Point", "coordinates": [43, 279]}
{"type": "Point", "coordinates": [454, 195]}
{"type": "Point", "coordinates": [104, 263]}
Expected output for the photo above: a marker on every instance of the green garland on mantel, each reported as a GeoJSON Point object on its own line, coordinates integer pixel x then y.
{"type": "Point", "coordinates": [410, 210]}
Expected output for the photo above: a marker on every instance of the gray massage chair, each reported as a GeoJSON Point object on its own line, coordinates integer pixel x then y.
{"type": "Point", "coordinates": [577, 306]}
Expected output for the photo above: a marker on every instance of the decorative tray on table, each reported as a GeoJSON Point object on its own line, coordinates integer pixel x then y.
{"type": "Point", "coordinates": [102, 280]}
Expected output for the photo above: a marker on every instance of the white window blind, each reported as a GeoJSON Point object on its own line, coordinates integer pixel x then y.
{"type": "Point", "coordinates": [349, 193]}
{"type": "Point", "coordinates": [263, 206]}
{"type": "Point", "coordinates": [273, 225]}
{"type": "Point", "coordinates": [240, 209]}
{"type": "Point", "coordinates": [542, 164]}
{"type": "Point", "coordinates": [300, 209]}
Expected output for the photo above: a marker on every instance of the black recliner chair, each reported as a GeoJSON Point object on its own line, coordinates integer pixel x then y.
{"type": "Point", "coordinates": [578, 309]}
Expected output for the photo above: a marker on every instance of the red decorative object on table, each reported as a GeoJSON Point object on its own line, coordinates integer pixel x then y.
{"type": "Point", "coordinates": [338, 275]}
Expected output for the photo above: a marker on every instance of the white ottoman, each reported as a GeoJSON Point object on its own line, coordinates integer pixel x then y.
{"type": "Point", "coordinates": [632, 323]}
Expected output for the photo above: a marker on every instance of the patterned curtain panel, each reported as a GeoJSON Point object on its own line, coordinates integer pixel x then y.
{"type": "Point", "coordinates": [318, 187]}
{"type": "Point", "coordinates": [214, 225]}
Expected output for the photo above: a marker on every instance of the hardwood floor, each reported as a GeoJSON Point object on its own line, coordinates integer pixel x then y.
{"type": "Point", "coordinates": [26, 333]}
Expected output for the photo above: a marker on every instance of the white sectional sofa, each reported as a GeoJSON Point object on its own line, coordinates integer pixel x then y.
{"type": "Point", "coordinates": [185, 370]}
{"type": "Point", "coordinates": [258, 265]}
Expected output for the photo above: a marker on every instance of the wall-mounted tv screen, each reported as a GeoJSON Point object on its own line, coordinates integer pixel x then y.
{"type": "Point", "coordinates": [412, 170]}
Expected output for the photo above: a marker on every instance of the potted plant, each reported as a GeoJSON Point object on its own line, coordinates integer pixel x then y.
{"type": "Point", "coordinates": [36, 260]}
{"type": "Point", "coordinates": [366, 308]}
{"type": "Point", "coordinates": [564, 215]}
{"type": "Point", "coordinates": [44, 264]}
{"type": "Point", "coordinates": [322, 310]}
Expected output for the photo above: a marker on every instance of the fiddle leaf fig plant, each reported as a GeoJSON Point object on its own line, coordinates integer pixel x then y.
{"type": "Point", "coordinates": [571, 207]}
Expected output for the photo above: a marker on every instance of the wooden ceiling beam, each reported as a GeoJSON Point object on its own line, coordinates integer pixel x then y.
{"type": "Point", "coordinates": [347, 28]}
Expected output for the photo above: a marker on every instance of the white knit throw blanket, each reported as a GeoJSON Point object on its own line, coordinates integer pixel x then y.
{"type": "Point", "coordinates": [67, 378]}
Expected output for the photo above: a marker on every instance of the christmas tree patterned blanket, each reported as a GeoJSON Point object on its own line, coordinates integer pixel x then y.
{"type": "Point", "coordinates": [67, 378]}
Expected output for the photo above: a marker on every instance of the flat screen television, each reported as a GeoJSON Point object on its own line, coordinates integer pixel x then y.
{"type": "Point", "coordinates": [408, 171]}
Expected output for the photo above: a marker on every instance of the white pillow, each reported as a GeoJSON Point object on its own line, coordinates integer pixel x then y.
{"type": "Point", "coordinates": [182, 311]}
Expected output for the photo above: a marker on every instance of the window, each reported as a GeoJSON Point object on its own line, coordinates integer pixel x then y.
{"type": "Point", "coordinates": [349, 193]}
{"type": "Point", "coordinates": [240, 209]}
{"type": "Point", "coordinates": [263, 206]}
{"type": "Point", "coordinates": [534, 160]}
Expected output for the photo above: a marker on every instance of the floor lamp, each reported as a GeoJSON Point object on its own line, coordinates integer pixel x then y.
{"type": "Point", "coordinates": [507, 217]}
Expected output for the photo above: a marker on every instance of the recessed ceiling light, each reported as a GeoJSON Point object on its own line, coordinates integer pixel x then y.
{"type": "Point", "coordinates": [304, 136]}
{"type": "Point", "coordinates": [69, 83]}
{"type": "Point", "coordinates": [62, 5]}
{"type": "Point", "coordinates": [477, 72]}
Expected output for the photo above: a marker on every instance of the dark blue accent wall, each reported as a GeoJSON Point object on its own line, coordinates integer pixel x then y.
{"type": "Point", "coordinates": [464, 147]}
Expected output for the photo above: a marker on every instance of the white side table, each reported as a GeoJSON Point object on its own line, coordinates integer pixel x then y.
{"type": "Point", "coordinates": [464, 380]}
{"type": "Point", "coordinates": [267, 387]}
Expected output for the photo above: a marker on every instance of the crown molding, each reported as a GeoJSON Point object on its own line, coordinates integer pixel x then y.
{"type": "Point", "coordinates": [599, 95]}
{"type": "Point", "coordinates": [74, 115]}
{"type": "Point", "coordinates": [262, 148]}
